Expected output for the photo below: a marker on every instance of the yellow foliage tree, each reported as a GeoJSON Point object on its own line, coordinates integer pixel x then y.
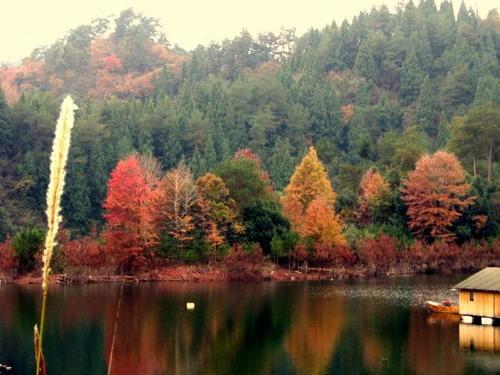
{"type": "Point", "coordinates": [308, 202]}
{"type": "Point", "coordinates": [310, 181]}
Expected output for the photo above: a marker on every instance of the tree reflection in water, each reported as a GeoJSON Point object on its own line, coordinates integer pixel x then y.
{"type": "Point", "coordinates": [246, 328]}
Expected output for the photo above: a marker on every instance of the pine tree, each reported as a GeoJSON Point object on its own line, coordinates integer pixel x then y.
{"type": "Point", "coordinates": [365, 64]}
{"type": "Point", "coordinates": [198, 163]}
{"type": "Point", "coordinates": [76, 203]}
{"type": "Point", "coordinates": [411, 78]}
{"type": "Point", "coordinates": [425, 111]}
{"type": "Point", "coordinates": [463, 14]}
{"type": "Point", "coordinates": [209, 155]}
{"type": "Point", "coordinates": [410, 19]}
{"type": "Point", "coordinates": [422, 45]}
{"type": "Point", "coordinates": [6, 133]}
{"type": "Point", "coordinates": [488, 90]}
{"type": "Point", "coordinates": [458, 88]}
{"type": "Point", "coordinates": [281, 164]}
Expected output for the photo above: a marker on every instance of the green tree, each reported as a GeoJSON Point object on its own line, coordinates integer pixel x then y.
{"type": "Point", "coordinates": [475, 136]}
{"type": "Point", "coordinates": [197, 165]}
{"type": "Point", "coordinates": [425, 111]}
{"type": "Point", "coordinates": [281, 164]}
{"type": "Point", "coordinates": [264, 222]}
{"type": "Point", "coordinates": [244, 181]}
{"type": "Point", "coordinates": [411, 78]}
{"type": "Point", "coordinates": [6, 226]}
{"type": "Point", "coordinates": [365, 63]}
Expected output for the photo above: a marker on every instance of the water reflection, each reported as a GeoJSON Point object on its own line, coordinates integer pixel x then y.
{"type": "Point", "coordinates": [479, 338]}
{"type": "Point", "coordinates": [268, 328]}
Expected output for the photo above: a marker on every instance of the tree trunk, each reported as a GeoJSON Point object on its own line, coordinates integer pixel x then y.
{"type": "Point", "coordinates": [490, 161]}
{"type": "Point", "coordinates": [474, 166]}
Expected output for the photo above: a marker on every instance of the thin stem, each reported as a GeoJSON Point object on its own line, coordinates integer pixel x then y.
{"type": "Point", "coordinates": [42, 325]}
{"type": "Point", "coordinates": [115, 330]}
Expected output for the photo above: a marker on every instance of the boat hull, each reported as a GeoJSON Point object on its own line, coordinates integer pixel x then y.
{"type": "Point", "coordinates": [440, 308]}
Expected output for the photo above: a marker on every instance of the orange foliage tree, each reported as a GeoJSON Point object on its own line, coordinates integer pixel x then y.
{"type": "Point", "coordinates": [436, 195]}
{"type": "Point", "coordinates": [373, 189]}
{"type": "Point", "coordinates": [130, 208]}
{"type": "Point", "coordinates": [308, 202]}
{"type": "Point", "coordinates": [321, 223]}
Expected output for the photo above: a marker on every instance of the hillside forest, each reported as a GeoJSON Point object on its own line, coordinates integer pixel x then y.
{"type": "Point", "coordinates": [373, 143]}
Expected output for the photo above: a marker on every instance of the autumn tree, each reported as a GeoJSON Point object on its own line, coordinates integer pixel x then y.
{"type": "Point", "coordinates": [436, 195]}
{"type": "Point", "coordinates": [374, 190]}
{"type": "Point", "coordinates": [308, 202]}
{"type": "Point", "coordinates": [130, 208]}
{"type": "Point", "coordinates": [178, 207]}
{"type": "Point", "coordinates": [321, 223]}
{"type": "Point", "coordinates": [222, 211]}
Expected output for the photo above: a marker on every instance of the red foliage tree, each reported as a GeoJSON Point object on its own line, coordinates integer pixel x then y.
{"type": "Point", "coordinates": [436, 194]}
{"type": "Point", "coordinates": [8, 259]}
{"type": "Point", "coordinates": [112, 63]}
{"type": "Point", "coordinates": [130, 208]}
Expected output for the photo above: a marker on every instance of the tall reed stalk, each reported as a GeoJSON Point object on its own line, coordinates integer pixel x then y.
{"type": "Point", "coordinates": [58, 159]}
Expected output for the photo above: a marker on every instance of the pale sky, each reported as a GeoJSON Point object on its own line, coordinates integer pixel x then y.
{"type": "Point", "coordinates": [26, 24]}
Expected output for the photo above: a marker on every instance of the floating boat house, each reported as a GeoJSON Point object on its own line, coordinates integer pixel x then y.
{"type": "Point", "coordinates": [479, 296]}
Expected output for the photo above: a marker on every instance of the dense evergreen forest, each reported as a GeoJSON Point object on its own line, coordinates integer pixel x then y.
{"type": "Point", "coordinates": [372, 97]}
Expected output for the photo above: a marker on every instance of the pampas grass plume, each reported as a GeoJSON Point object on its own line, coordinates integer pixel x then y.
{"type": "Point", "coordinates": [58, 158]}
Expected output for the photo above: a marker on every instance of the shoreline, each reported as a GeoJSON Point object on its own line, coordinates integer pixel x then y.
{"type": "Point", "coordinates": [217, 273]}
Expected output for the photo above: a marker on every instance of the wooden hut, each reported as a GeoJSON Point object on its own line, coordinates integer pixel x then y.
{"type": "Point", "coordinates": [479, 295]}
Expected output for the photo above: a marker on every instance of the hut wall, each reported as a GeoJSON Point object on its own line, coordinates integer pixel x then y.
{"type": "Point", "coordinates": [485, 304]}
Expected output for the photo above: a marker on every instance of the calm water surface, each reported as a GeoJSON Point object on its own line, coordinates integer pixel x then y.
{"type": "Point", "coordinates": [353, 327]}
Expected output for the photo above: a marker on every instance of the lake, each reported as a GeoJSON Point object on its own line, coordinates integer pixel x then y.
{"type": "Point", "coordinates": [376, 326]}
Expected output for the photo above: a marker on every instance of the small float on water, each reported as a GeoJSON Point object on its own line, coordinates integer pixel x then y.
{"type": "Point", "coordinates": [445, 307]}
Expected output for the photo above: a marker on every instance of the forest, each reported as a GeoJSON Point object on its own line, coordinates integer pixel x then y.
{"type": "Point", "coordinates": [370, 144]}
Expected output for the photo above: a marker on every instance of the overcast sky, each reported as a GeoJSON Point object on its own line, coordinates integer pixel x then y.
{"type": "Point", "coordinates": [26, 24]}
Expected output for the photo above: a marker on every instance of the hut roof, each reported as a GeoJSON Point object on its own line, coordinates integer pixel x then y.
{"type": "Point", "coordinates": [488, 279]}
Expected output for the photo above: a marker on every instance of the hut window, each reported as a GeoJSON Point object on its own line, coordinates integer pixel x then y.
{"type": "Point", "coordinates": [471, 296]}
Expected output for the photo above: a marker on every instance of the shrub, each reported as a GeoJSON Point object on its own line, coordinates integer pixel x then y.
{"type": "Point", "coordinates": [83, 254]}
{"type": "Point", "coordinates": [449, 257]}
{"type": "Point", "coordinates": [379, 254]}
{"type": "Point", "coordinates": [339, 255]}
{"type": "Point", "coordinates": [26, 245]}
{"type": "Point", "coordinates": [244, 264]}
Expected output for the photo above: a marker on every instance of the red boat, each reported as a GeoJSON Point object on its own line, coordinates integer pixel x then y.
{"type": "Point", "coordinates": [445, 307]}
